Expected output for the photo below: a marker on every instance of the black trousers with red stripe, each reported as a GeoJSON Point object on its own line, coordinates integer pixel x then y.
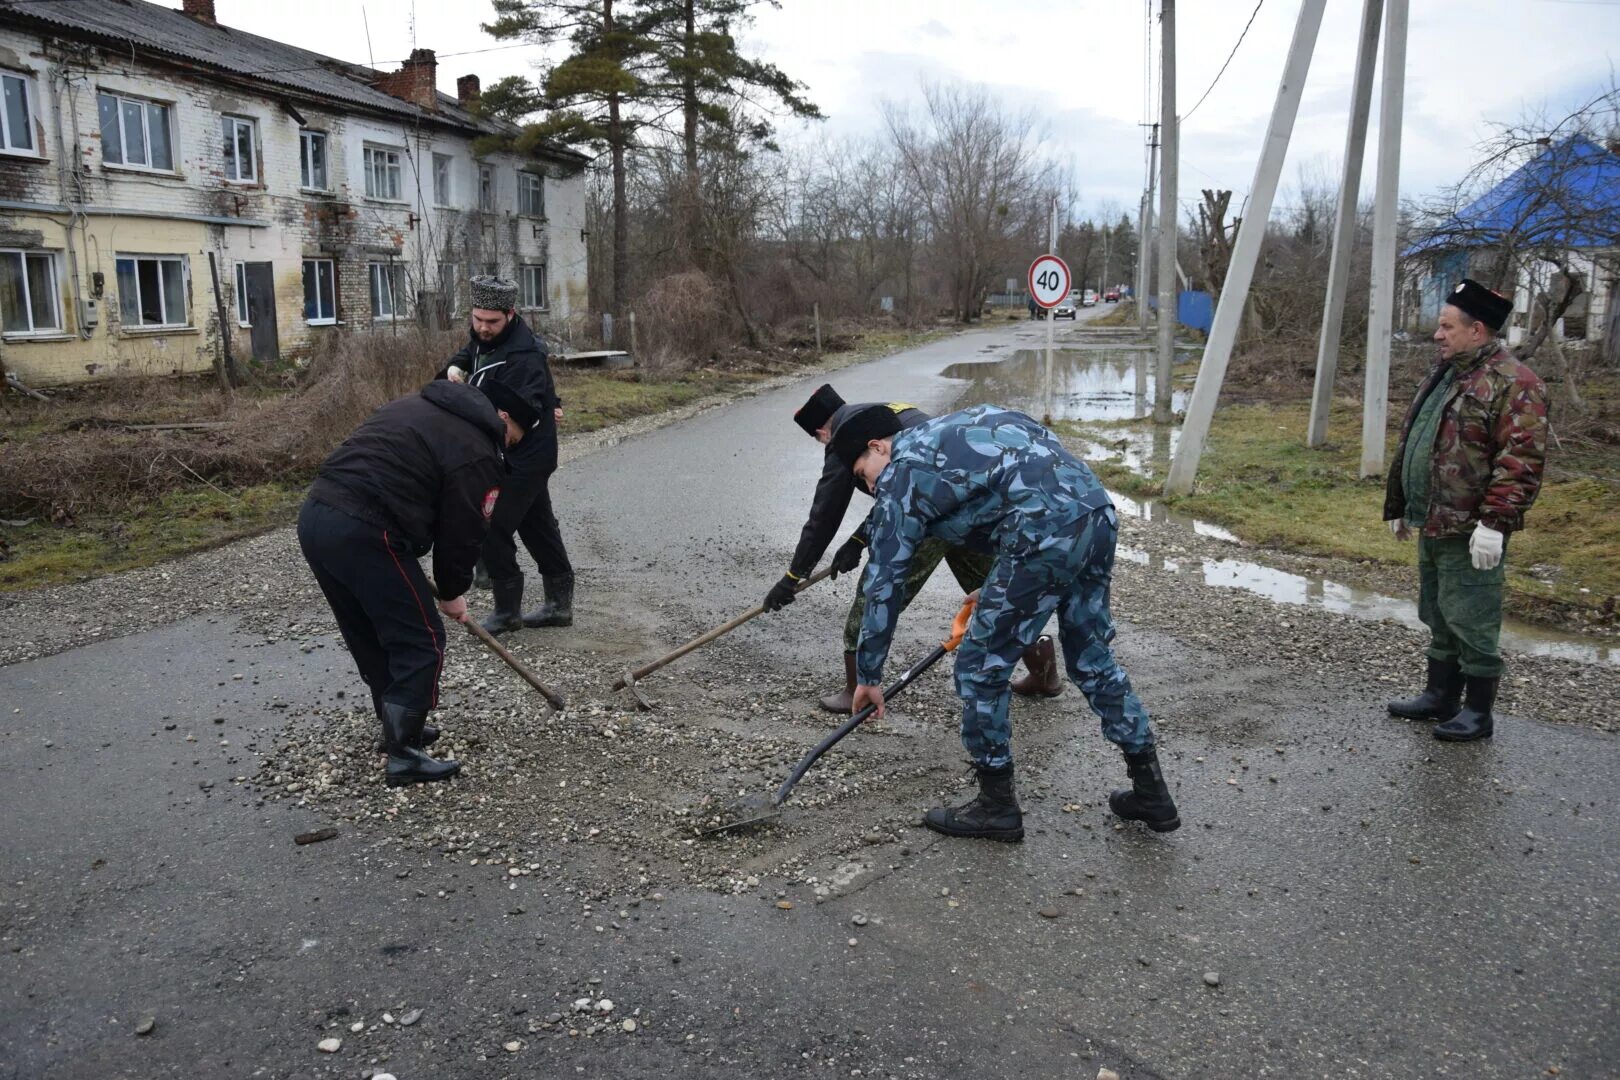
{"type": "Point", "coordinates": [382, 602]}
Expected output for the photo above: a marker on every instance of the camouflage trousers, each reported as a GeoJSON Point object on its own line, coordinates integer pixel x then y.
{"type": "Point", "coordinates": [970, 568]}
{"type": "Point", "coordinates": [1072, 576]}
{"type": "Point", "coordinates": [1461, 606]}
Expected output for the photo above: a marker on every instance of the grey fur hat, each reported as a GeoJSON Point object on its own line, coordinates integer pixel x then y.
{"type": "Point", "coordinates": [494, 293]}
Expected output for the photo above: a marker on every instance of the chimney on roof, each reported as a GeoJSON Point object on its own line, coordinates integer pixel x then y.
{"type": "Point", "coordinates": [467, 90]}
{"type": "Point", "coordinates": [416, 81]}
{"type": "Point", "coordinates": [201, 10]}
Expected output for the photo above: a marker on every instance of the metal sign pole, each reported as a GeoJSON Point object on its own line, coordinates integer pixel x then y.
{"type": "Point", "coordinates": [1051, 319]}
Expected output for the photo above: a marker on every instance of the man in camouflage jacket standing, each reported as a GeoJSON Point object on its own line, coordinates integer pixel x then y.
{"type": "Point", "coordinates": [996, 481]}
{"type": "Point", "coordinates": [1468, 467]}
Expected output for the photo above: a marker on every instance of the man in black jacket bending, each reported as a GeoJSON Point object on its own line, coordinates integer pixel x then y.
{"type": "Point", "coordinates": [422, 472]}
{"type": "Point", "coordinates": [500, 345]}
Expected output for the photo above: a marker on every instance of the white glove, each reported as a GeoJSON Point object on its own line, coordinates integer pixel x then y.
{"type": "Point", "coordinates": [1485, 546]}
{"type": "Point", "coordinates": [1399, 527]}
{"type": "Point", "coordinates": [455, 374]}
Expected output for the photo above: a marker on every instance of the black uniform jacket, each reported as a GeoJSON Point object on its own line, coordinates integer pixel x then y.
{"type": "Point", "coordinates": [833, 490]}
{"type": "Point", "coordinates": [427, 468]}
{"type": "Point", "coordinates": [517, 358]}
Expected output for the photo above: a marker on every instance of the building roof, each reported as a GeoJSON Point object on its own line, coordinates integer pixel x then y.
{"type": "Point", "coordinates": [236, 54]}
{"type": "Point", "coordinates": [1568, 196]}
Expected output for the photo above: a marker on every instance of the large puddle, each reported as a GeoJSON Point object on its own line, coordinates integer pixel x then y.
{"type": "Point", "coordinates": [1099, 383]}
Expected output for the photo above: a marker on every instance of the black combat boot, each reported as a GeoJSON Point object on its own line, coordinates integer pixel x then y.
{"type": "Point", "coordinates": [1439, 700]}
{"type": "Point", "coordinates": [1042, 680]}
{"type": "Point", "coordinates": [558, 609]}
{"type": "Point", "coordinates": [1475, 720]}
{"type": "Point", "coordinates": [844, 700]}
{"type": "Point", "coordinates": [994, 815]}
{"type": "Point", "coordinates": [481, 575]}
{"type": "Point", "coordinates": [407, 764]}
{"type": "Point", "coordinates": [1148, 799]}
{"type": "Point", "coordinates": [508, 613]}
{"type": "Point", "coordinates": [430, 734]}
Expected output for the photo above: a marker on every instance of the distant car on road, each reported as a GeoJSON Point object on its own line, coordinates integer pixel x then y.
{"type": "Point", "coordinates": [1111, 296]}
{"type": "Point", "coordinates": [1089, 298]}
{"type": "Point", "coordinates": [1064, 310]}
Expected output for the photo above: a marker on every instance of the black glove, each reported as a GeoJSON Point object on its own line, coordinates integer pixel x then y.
{"type": "Point", "coordinates": [782, 593]}
{"type": "Point", "coordinates": [848, 557]}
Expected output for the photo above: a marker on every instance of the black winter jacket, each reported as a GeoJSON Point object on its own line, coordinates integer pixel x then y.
{"type": "Point", "coordinates": [517, 358]}
{"type": "Point", "coordinates": [427, 468]}
{"type": "Point", "coordinates": [833, 492]}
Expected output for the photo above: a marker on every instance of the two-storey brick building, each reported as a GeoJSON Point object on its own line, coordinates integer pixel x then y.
{"type": "Point", "coordinates": [165, 179]}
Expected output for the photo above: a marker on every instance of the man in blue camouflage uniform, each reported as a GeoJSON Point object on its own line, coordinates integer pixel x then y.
{"type": "Point", "coordinates": [994, 480]}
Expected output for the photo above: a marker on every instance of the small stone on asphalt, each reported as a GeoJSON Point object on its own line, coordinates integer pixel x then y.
{"type": "Point", "coordinates": [1212, 978]}
{"type": "Point", "coordinates": [329, 1046]}
{"type": "Point", "coordinates": [145, 1024]}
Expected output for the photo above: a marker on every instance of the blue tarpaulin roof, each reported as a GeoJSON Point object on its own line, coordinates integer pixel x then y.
{"type": "Point", "coordinates": [1568, 196]}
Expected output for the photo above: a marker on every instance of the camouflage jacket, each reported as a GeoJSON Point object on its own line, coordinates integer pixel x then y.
{"type": "Point", "coordinates": [987, 479]}
{"type": "Point", "coordinates": [1489, 449]}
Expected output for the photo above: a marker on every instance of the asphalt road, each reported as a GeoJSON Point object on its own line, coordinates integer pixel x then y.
{"type": "Point", "coordinates": [1366, 902]}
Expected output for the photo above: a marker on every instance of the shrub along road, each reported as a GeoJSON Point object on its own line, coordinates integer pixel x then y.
{"type": "Point", "coordinates": [1346, 897]}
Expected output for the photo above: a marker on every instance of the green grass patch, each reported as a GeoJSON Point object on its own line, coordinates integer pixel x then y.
{"type": "Point", "coordinates": [1258, 479]}
{"type": "Point", "coordinates": [597, 399]}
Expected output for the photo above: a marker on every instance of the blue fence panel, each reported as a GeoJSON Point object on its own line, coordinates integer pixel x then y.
{"type": "Point", "coordinates": [1195, 309]}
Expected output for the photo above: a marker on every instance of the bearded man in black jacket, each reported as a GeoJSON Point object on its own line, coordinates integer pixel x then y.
{"type": "Point", "coordinates": [501, 346]}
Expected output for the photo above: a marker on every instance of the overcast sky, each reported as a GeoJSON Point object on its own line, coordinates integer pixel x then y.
{"type": "Point", "coordinates": [1082, 64]}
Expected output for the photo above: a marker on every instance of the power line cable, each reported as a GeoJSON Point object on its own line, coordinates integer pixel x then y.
{"type": "Point", "coordinates": [1218, 74]}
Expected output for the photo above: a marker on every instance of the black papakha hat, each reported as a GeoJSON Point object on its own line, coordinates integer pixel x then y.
{"type": "Point", "coordinates": [850, 437]}
{"type": "Point", "coordinates": [494, 293]}
{"type": "Point", "coordinates": [818, 410]}
{"type": "Point", "coordinates": [1476, 301]}
{"type": "Point", "coordinates": [509, 401]}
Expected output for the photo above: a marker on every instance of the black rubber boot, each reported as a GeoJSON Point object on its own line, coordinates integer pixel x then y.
{"type": "Point", "coordinates": [1147, 799]}
{"type": "Point", "coordinates": [407, 764]}
{"type": "Point", "coordinates": [430, 734]}
{"type": "Point", "coordinates": [481, 575]}
{"type": "Point", "coordinates": [508, 613]}
{"type": "Point", "coordinates": [1440, 698]}
{"type": "Point", "coordinates": [1042, 680]}
{"type": "Point", "coordinates": [994, 815]}
{"type": "Point", "coordinates": [558, 609]}
{"type": "Point", "coordinates": [844, 700]}
{"type": "Point", "coordinates": [1474, 721]}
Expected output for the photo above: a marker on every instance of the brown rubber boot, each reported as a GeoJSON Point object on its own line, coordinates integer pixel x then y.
{"type": "Point", "coordinates": [1043, 679]}
{"type": "Point", "coordinates": [844, 700]}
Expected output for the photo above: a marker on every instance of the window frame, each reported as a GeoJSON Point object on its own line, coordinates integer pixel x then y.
{"type": "Point", "coordinates": [524, 274]}
{"type": "Point", "coordinates": [306, 165]}
{"type": "Point", "coordinates": [185, 282]}
{"type": "Point", "coordinates": [486, 188]}
{"type": "Point", "coordinates": [241, 296]}
{"type": "Point", "coordinates": [30, 101]}
{"type": "Point", "coordinates": [234, 123]}
{"type": "Point", "coordinates": [331, 282]}
{"type": "Point", "coordinates": [121, 99]}
{"type": "Point", "coordinates": [526, 178]}
{"type": "Point", "coordinates": [446, 162]}
{"type": "Point", "coordinates": [33, 331]}
{"type": "Point", "coordinates": [393, 273]}
{"type": "Point", "coordinates": [369, 154]}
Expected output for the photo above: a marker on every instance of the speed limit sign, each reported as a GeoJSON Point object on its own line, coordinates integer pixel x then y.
{"type": "Point", "coordinates": [1049, 281]}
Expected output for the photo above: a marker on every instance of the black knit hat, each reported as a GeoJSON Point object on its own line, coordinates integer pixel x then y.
{"type": "Point", "coordinates": [818, 410]}
{"type": "Point", "coordinates": [1477, 302]}
{"type": "Point", "coordinates": [858, 428]}
{"type": "Point", "coordinates": [509, 401]}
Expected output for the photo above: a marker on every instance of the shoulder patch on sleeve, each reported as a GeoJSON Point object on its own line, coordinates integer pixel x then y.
{"type": "Point", "coordinates": [489, 502]}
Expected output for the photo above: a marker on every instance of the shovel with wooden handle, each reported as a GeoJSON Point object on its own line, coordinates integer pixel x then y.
{"type": "Point", "coordinates": [554, 699]}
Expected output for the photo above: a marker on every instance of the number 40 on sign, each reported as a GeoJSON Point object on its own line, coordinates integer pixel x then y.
{"type": "Point", "coordinates": [1049, 281]}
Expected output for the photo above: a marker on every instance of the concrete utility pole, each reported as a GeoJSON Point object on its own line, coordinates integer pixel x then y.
{"type": "Point", "coordinates": [1168, 214]}
{"type": "Point", "coordinates": [1144, 252]}
{"type": "Point", "coordinates": [1381, 307]}
{"type": "Point", "coordinates": [1344, 224]}
{"type": "Point", "coordinates": [1245, 253]}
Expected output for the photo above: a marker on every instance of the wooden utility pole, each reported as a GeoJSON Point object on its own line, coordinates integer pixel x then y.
{"type": "Point", "coordinates": [1168, 214]}
{"type": "Point", "coordinates": [1381, 306]}
{"type": "Point", "coordinates": [1245, 253]}
{"type": "Point", "coordinates": [1344, 225]}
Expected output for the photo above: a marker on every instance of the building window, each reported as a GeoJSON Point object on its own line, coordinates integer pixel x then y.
{"type": "Point", "coordinates": [16, 115]}
{"type": "Point", "coordinates": [486, 188]}
{"type": "Point", "coordinates": [241, 163]}
{"type": "Point", "coordinates": [388, 297]}
{"type": "Point", "coordinates": [531, 196]}
{"type": "Point", "coordinates": [135, 133]}
{"type": "Point", "coordinates": [382, 173]}
{"type": "Point", "coordinates": [28, 294]}
{"type": "Point", "coordinates": [152, 290]}
{"type": "Point", "coordinates": [532, 286]}
{"type": "Point", "coordinates": [441, 180]}
{"type": "Point", "coordinates": [241, 295]}
{"type": "Point", "coordinates": [312, 160]}
{"type": "Point", "coordinates": [320, 293]}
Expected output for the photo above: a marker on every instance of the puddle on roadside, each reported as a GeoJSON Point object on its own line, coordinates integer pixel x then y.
{"type": "Point", "coordinates": [1099, 383]}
